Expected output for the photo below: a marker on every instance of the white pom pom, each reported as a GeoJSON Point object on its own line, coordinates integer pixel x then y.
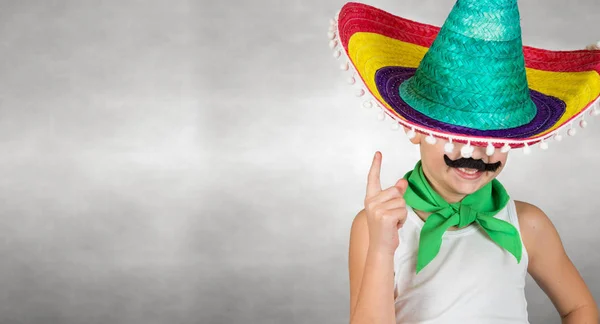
{"type": "Point", "coordinates": [331, 34]}
{"type": "Point", "coordinates": [430, 139]}
{"type": "Point", "coordinates": [333, 44]}
{"type": "Point", "coordinates": [332, 22]}
{"type": "Point", "coordinates": [571, 132]}
{"type": "Point", "coordinates": [449, 147]}
{"type": "Point", "coordinates": [332, 28]}
{"type": "Point", "coordinates": [395, 126]}
{"type": "Point", "coordinates": [337, 54]}
{"type": "Point", "coordinates": [489, 150]}
{"type": "Point", "coordinates": [526, 149]}
{"type": "Point", "coordinates": [467, 151]}
{"type": "Point", "coordinates": [583, 124]}
{"type": "Point", "coordinates": [345, 66]}
{"type": "Point", "coordinates": [558, 137]}
{"type": "Point", "coordinates": [351, 80]}
{"type": "Point", "coordinates": [360, 92]}
{"type": "Point", "coordinates": [594, 46]}
{"type": "Point", "coordinates": [544, 145]}
{"type": "Point", "coordinates": [381, 116]}
{"type": "Point", "coordinates": [411, 134]}
{"type": "Point", "coordinates": [505, 148]}
{"type": "Point", "coordinates": [595, 112]}
{"type": "Point", "coordinates": [465, 155]}
{"type": "Point", "coordinates": [368, 104]}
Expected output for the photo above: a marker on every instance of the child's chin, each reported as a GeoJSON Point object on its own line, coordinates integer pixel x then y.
{"type": "Point", "coordinates": [467, 188]}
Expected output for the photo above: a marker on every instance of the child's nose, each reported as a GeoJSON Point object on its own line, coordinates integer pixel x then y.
{"type": "Point", "coordinates": [478, 152]}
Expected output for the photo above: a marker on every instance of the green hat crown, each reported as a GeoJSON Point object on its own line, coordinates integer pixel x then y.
{"type": "Point", "coordinates": [474, 73]}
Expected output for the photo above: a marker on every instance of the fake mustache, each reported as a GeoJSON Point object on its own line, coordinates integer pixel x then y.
{"type": "Point", "coordinates": [470, 163]}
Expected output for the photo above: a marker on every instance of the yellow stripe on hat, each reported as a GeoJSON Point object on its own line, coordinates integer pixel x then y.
{"type": "Point", "coordinates": [576, 89]}
{"type": "Point", "coordinates": [369, 52]}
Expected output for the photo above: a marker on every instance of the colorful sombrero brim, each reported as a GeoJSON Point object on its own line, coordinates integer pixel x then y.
{"type": "Point", "coordinates": [384, 50]}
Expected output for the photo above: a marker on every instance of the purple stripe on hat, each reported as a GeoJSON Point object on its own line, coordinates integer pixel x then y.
{"type": "Point", "coordinates": [388, 80]}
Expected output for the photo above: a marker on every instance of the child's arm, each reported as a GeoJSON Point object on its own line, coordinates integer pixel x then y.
{"type": "Point", "coordinates": [373, 241]}
{"type": "Point", "coordinates": [371, 278]}
{"type": "Point", "coordinates": [552, 269]}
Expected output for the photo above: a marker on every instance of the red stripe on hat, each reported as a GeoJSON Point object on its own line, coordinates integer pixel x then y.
{"type": "Point", "coordinates": [358, 17]}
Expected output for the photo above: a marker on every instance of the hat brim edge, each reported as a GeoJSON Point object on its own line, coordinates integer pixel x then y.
{"type": "Point", "coordinates": [497, 142]}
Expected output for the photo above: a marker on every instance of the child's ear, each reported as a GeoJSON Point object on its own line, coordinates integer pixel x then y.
{"type": "Point", "coordinates": [416, 139]}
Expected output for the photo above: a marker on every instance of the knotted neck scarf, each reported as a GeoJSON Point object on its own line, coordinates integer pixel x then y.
{"type": "Point", "coordinates": [478, 207]}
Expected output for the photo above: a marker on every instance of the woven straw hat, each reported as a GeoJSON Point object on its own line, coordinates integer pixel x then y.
{"type": "Point", "coordinates": [471, 81]}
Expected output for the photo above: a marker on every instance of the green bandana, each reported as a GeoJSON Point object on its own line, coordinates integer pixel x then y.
{"type": "Point", "coordinates": [479, 207]}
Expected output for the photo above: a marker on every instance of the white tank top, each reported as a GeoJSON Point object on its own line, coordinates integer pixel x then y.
{"type": "Point", "coordinates": [471, 280]}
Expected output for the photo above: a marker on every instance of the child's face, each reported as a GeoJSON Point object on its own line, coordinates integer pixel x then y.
{"type": "Point", "coordinates": [450, 182]}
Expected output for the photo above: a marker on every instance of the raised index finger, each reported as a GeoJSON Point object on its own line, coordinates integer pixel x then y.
{"type": "Point", "coordinates": [373, 180]}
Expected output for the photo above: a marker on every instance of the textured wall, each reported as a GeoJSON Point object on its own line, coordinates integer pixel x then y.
{"type": "Point", "coordinates": [201, 162]}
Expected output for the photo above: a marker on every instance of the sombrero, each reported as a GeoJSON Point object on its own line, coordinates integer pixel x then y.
{"type": "Point", "coordinates": [471, 81]}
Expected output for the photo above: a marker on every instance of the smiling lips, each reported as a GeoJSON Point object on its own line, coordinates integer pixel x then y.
{"type": "Point", "coordinates": [468, 174]}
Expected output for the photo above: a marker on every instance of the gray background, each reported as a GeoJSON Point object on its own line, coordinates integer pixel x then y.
{"type": "Point", "coordinates": [201, 162]}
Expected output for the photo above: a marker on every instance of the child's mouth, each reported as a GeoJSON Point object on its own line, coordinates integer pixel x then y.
{"type": "Point", "coordinates": [467, 173]}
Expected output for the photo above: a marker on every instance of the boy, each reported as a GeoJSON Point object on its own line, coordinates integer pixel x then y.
{"type": "Point", "coordinates": [447, 244]}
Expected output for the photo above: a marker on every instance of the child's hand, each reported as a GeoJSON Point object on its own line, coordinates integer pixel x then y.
{"type": "Point", "coordinates": [593, 46]}
{"type": "Point", "coordinates": [385, 209]}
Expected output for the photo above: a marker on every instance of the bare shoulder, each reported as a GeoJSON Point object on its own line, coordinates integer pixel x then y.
{"type": "Point", "coordinates": [528, 212]}
{"type": "Point", "coordinates": [531, 217]}
{"type": "Point", "coordinates": [552, 269]}
{"type": "Point", "coordinates": [535, 226]}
